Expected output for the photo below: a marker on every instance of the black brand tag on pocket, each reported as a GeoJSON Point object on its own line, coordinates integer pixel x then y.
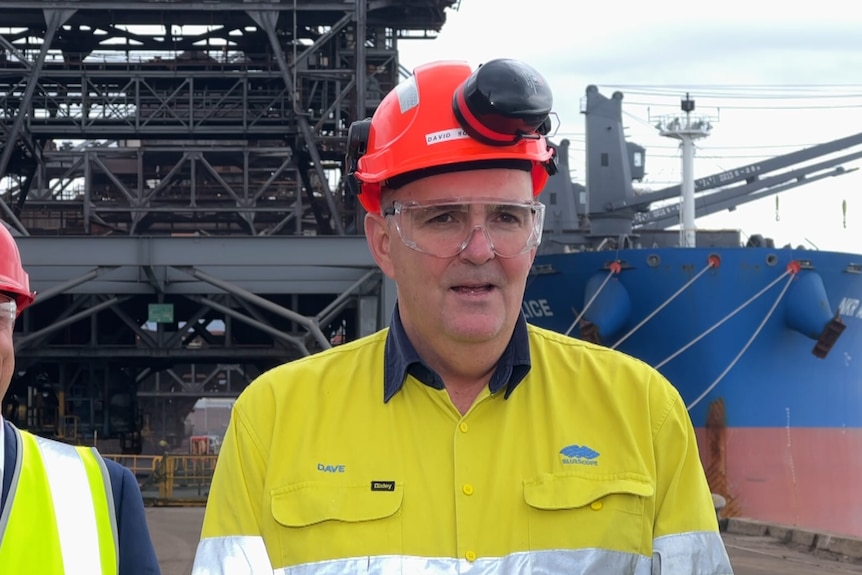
{"type": "Point", "coordinates": [382, 486]}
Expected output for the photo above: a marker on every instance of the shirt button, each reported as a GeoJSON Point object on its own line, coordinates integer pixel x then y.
{"type": "Point", "coordinates": [596, 505]}
{"type": "Point", "coordinates": [470, 556]}
{"type": "Point", "coordinates": [464, 427]}
{"type": "Point", "coordinates": [467, 489]}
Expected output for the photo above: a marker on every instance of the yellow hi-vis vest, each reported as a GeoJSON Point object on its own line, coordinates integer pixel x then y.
{"type": "Point", "coordinates": [60, 517]}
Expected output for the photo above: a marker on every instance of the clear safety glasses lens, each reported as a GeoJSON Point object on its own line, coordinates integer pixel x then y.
{"type": "Point", "coordinates": [444, 228]}
{"type": "Point", "coordinates": [8, 312]}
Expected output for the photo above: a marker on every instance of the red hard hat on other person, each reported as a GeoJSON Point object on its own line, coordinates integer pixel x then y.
{"type": "Point", "coordinates": [447, 118]}
{"type": "Point", "coordinates": [13, 279]}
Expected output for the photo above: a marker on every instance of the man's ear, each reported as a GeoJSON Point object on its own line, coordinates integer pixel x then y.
{"type": "Point", "coordinates": [378, 235]}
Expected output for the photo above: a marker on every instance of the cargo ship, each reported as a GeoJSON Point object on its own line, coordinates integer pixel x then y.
{"type": "Point", "coordinates": [764, 343]}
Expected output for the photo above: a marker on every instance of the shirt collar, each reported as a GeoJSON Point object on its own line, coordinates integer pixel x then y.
{"type": "Point", "coordinates": [401, 359]}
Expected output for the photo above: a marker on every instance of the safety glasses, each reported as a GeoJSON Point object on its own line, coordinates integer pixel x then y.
{"type": "Point", "coordinates": [8, 312]}
{"type": "Point", "coordinates": [444, 228]}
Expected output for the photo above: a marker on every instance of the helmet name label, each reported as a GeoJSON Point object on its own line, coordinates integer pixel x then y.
{"type": "Point", "coordinates": [445, 136]}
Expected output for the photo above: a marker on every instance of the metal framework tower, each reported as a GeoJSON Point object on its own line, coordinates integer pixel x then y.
{"type": "Point", "coordinates": [173, 172]}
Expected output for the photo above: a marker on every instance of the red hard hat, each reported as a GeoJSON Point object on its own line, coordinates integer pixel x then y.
{"type": "Point", "coordinates": [447, 118]}
{"type": "Point", "coordinates": [13, 279]}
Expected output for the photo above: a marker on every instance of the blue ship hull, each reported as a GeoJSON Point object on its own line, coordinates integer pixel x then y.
{"type": "Point", "coordinates": [777, 371]}
{"type": "Point", "coordinates": [738, 341]}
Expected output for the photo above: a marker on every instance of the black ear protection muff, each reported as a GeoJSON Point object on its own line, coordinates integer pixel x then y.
{"type": "Point", "coordinates": [502, 102]}
{"type": "Point", "coordinates": [357, 145]}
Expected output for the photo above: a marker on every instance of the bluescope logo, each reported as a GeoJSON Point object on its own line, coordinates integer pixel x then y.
{"type": "Point", "coordinates": [579, 455]}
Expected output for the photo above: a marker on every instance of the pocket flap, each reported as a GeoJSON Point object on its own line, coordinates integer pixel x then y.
{"type": "Point", "coordinates": [312, 502]}
{"type": "Point", "coordinates": [570, 491]}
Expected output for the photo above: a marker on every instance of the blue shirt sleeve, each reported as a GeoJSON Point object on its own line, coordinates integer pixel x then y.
{"type": "Point", "coordinates": [137, 554]}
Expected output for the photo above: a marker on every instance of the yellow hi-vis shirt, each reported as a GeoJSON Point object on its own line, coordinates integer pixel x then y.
{"type": "Point", "coordinates": [60, 517]}
{"type": "Point", "coordinates": [589, 466]}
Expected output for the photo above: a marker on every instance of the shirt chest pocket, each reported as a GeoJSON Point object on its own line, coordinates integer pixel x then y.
{"type": "Point", "coordinates": [320, 521]}
{"type": "Point", "coordinates": [571, 511]}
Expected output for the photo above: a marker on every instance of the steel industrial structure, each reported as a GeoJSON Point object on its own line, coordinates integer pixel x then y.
{"type": "Point", "coordinates": [173, 172]}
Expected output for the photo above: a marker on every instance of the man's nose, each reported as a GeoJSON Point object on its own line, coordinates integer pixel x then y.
{"type": "Point", "coordinates": [480, 246]}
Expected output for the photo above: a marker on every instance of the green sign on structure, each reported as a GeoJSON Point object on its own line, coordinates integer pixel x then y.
{"type": "Point", "coordinates": [161, 312]}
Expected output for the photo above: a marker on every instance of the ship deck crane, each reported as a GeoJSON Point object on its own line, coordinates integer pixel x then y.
{"type": "Point", "coordinates": [751, 182]}
{"type": "Point", "coordinates": [608, 212]}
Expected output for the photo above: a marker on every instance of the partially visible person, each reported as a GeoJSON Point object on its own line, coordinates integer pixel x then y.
{"type": "Point", "coordinates": [64, 510]}
{"type": "Point", "coordinates": [460, 439]}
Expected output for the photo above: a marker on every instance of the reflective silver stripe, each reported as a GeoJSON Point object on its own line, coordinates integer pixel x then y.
{"type": "Point", "coordinates": [237, 555]}
{"type": "Point", "coordinates": [700, 552]}
{"type": "Point", "coordinates": [73, 510]}
{"type": "Point", "coordinates": [581, 561]}
{"type": "Point", "coordinates": [408, 94]}
{"type": "Point", "coordinates": [109, 494]}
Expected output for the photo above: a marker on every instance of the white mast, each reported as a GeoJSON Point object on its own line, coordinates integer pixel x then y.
{"type": "Point", "coordinates": [686, 129]}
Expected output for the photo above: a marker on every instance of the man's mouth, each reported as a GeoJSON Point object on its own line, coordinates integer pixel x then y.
{"type": "Point", "coordinates": [473, 289]}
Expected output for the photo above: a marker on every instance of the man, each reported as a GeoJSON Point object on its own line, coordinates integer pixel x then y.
{"type": "Point", "coordinates": [460, 439]}
{"type": "Point", "coordinates": [64, 510]}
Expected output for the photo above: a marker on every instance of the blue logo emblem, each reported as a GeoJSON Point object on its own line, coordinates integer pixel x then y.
{"type": "Point", "coordinates": [579, 455]}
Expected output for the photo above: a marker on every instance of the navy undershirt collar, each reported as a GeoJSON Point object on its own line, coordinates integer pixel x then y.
{"type": "Point", "coordinates": [401, 359]}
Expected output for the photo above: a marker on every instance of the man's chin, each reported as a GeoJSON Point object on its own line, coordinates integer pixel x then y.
{"type": "Point", "coordinates": [475, 328]}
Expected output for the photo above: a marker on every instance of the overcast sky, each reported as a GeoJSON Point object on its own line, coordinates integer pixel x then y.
{"type": "Point", "coordinates": [776, 77]}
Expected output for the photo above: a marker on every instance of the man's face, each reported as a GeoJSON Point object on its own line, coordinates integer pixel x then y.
{"type": "Point", "coordinates": [7, 351]}
{"type": "Point", "coordinates": [473, 296]}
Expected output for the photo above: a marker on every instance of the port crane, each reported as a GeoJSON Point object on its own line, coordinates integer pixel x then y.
{"type": "Point", "coordinates": [608, 211]}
